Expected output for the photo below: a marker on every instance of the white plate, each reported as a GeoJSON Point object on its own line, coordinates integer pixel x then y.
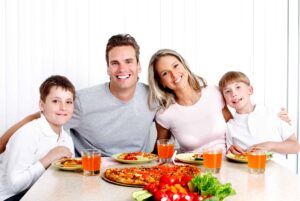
{"type": "Point", "coordinates": [188, 158]}
{"type": "Point", "coordinates": [140, 159]}
{"type": "Point", "coordinates": [232, 157]}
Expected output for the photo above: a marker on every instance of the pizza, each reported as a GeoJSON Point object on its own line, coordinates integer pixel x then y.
{"type": "Point", "coordinates": [70, 162]}
{"type": "Point", "coordinates": [198, 156]}
{"type": "Point", "coordinates": [136, 156]}
{"type": "Point", "coordinates": [140, 176]}
{"type": "Point", "coordinates": [241, 157]}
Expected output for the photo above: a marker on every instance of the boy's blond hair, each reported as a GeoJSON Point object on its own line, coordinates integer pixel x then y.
{"type": "Point", "coordinates": [233, 76]}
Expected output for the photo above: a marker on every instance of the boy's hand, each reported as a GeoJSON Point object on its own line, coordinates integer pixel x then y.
{"type": "Point", "coordinates": [55, 154]}
{"type": "Point", "coordinates": [235, 149]}
{"type": "Point", "coordinates": [267, 146]}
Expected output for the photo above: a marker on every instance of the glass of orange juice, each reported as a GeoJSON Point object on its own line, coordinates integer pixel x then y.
{"type": "Point", "coordinates": [165, 149]}
{"type": "Point", "coordinates": [91, 161]}
{"type": "Point", "coordinates": [257, 161]}
{"type": "Point", "coordinates": [212, 159]}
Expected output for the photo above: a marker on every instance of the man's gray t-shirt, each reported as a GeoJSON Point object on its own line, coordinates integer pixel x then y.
{"type": "Point", "coordinates": [102, 121]}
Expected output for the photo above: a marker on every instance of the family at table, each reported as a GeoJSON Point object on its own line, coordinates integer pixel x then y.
{"type": "Point", "coordinates": [117, 116]}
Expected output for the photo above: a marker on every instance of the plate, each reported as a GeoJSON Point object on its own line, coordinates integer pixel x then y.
{"type": "Point", "coordinates": [59, 164]}
{"type": "Point", "coordinates": [140, 159]}
{"type": "Point", "coordinates": [188, 158]}
{"type": "Point", "coordinates": [232, 157]}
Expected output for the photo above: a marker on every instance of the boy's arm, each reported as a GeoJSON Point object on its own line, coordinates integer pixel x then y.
{"type": "Point", "coordinates": [288, 146]}
{"type": "Point", "coordinates": [5, 137]}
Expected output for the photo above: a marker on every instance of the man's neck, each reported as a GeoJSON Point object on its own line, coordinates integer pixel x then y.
{"type": "Point", "coordinates": [125, 95]}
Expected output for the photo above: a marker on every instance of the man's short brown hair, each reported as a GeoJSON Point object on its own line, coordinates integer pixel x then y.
{"type": "Point", "coordinates": [122, 40]}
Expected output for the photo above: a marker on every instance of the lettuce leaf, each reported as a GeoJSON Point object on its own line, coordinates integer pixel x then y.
{"type": "Point", "coordinates": [207, 184]}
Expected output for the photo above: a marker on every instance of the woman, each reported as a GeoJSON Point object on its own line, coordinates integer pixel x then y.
{"type": "Point", "coordinates": [189, 109]}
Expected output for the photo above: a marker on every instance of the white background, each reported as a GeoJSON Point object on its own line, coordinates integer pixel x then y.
{"type": "Point", "coordinates": [39, 38]}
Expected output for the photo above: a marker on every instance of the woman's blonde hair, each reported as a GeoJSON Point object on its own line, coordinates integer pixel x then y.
{"type": "Point", "coordinates": [161, 97]}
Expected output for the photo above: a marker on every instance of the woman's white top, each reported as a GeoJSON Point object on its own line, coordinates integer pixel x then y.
{"type": "Point", "coordinates": [197, 126]}
{"type": "Point", "coordinates": [20, 166]}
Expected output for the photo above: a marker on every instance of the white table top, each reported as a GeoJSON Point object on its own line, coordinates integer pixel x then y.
{"type": "Point", "coordinates": [276, 184]}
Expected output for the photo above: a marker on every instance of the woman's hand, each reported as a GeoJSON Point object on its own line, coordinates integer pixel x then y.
{"type": "Point", "coordinates": [284, 116]}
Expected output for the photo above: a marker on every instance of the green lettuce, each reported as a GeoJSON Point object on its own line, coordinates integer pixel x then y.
{"type": "Point", "coordinates": [207, 184]}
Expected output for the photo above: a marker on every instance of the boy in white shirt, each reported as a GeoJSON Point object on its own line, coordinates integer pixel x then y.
{"type": "Point", "coordinates": [253, 126]}
{"type": "Point", "coordinates": [40, 142]}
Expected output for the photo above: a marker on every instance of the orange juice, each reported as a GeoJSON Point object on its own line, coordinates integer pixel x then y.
{"type": "Point", "coordinates": [212, 159]}
{"type": "Point", "coordinates": [165, 150]}
{"type": "Point", "coordinates": [91, 163]}
{"type": "Point", "coordinates": [257, 162]}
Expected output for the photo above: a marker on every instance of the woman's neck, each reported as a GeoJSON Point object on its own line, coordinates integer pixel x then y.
{"type": "Point", "coordinates": [187, 96]}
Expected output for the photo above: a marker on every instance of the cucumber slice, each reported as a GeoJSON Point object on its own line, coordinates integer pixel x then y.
{"type": "Point", "coordinates": [138, 193]}
{"type": "Point", "coordinates": [144, 197]}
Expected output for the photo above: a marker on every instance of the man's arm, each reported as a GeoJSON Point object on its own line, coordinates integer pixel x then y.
{"type": "Point", "coordinates": [5, 137]}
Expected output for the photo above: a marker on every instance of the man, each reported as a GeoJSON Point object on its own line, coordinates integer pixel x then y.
{"type": "Point", "coordinates": [112, 117]}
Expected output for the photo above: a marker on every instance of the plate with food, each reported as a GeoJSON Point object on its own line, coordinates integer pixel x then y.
{"type": "Point", "coordinates": [139, 176]}
{"type": "Point", "coordinates": [70, 164]}
{"type": "Point", "coordinates": [241, 158]}
{"type": "Point", "coordinates": [194, 158]}
{"type": "Point", "coordinates": [135, 157]}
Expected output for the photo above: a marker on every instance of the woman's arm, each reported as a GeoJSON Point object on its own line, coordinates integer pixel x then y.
{"type": "Point", "coordinates": [5, 137]}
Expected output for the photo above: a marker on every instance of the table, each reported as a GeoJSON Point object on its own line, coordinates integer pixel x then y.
{"type": "Point", "coordinates": [276, 184]}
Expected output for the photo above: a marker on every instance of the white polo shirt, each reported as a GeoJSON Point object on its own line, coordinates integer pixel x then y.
{"type": "Point", "coordinates": [20, 166]}
{"type": "Point", "coordinates": [259, 126]}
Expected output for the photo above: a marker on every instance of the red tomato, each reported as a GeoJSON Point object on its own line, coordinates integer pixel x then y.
{"type": "Point", "coordinates": [175, 197]}
{"type": "Point", "coordinates": [186, 198]}
{"type": "Point", "coordinates": [159, 195]}
{"type": "Point", "coordinates": [163, 186]}
{"type": "Point", "coordinates": [130, 158]}
{"type": "Point", "coordinates": [165, 179]}
{"type": "Point", "coordinates": [198, 198]}
{"type": "Point", "coordinates": [185, 179]}
{"type": "Point", "coordinates": [152, 188]}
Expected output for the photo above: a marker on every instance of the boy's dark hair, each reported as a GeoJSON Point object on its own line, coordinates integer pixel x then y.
{"type": "Point", "coordinates": [233, 76]}
{"type": "Point", "coordinates": [122, 40]}
{"type": "Point", "coordinates": [56, 81]}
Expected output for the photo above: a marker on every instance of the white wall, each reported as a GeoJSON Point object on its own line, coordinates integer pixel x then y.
{"type": "Point", "coordinates": [43, 37]}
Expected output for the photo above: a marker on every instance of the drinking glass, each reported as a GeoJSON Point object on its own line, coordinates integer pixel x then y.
{"type": "Point", "coordinates": [91, 161]}
{"type": "Point", "coordinates": [212, 159]}
{"type": "Point", "coordinates": [257, 161]}
{"type": "Point", "coordinates": [165, 149]}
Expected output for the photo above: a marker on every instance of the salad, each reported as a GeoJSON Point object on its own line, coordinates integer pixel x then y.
{"type": "Point", "coordinates": [170, 188]}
